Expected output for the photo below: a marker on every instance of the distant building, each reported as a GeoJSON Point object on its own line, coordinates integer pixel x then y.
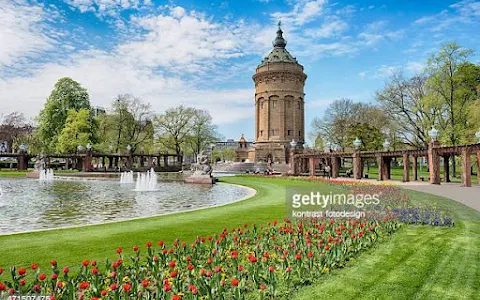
{"type": "Point", "coordinates": [98, 110]}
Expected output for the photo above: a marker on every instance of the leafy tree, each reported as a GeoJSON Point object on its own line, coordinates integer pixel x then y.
{"type": "Point", "coordinates": [174, 127]}
{"type": "Point", "coordinates": [13, 128]}
{"type": "Point", "coordinates": [130, 123]}
{"type": "Point", "coordinates": [67, 94]}
{"type": "Point", "coordinates": [370, 136]}
{"type": "Point", "coordinates": [77, 131]}
{"type": "Point", "coordinates": [341, 115]}
{"type": "Point", "coordinates": [202, 131]}
{"type": "Point", "coordinates": [444, 80]}
{"type": "Point", "coordinates": [412, 112]}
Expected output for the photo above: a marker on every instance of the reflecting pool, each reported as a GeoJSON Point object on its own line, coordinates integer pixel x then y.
{"type": "Point", "coordinates": [28, 204]}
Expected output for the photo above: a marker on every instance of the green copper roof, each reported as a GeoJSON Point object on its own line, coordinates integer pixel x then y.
{"type": "Point", "coordinates": [279, 53]}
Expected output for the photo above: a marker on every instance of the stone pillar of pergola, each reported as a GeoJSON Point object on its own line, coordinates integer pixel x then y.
{"type": "Point", "coordinates": [357, 165]}
{"type": "Point", "coordinates": [434, 162]}
{"type": "Point", "coordinates": [87, 161]}
{"type": "Point", "coordinates": [446, 168]}
{"type": "Point", "coordinates": [130, 161]}
{"type": "Point", "coordinates": [406, 167]}
{"type": "Point", "coordinates": [381, 166]}
{"type": "Point", "coordinates": [311, 166]}
{"type": "Point", "coordinates": [150, 162]}
{"type": "Point", "coordinates": [335, 161]}
{"type": "Point", "coordinates": [415, 168]}
{"type": "Point", "coordinates": [466, 167]}
{"type": "Point", "coordinates": [22, 161]}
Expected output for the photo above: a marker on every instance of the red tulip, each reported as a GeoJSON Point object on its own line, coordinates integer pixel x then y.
{"type": "Point", "coordinates": [2, 287]}
{"type": "Point", "coordinates": [234, 282]}
{"type": "Point", "coordinates": [53, 263]}
{"type": "Point", "coordinates": [42, 277]}
{"type": "Point", "coordinates": [85, 263]}
{"type": "Point", "coordinates": [34, 266]}
{"type": "Point", "coordinates": [135, 248]}
{"type": "Point", "coordinates": [119, 250]}
{"type": "Point", "coordinates": [149, 244]}
{"type": "Point", "coordinates": [22, 271]}
{"type": "Point", "coordinates": [54, 276]}
{"type": "Point", "coordinates": [83, 285]}
{"type": "Point", "coordinates": [127, 287]}
{"type": "Point", "coordinates": [65, 270]}
{"type": "Point", "coordinates": [103, 293]}
{"type": "Point", "coordinates": [145, 283]}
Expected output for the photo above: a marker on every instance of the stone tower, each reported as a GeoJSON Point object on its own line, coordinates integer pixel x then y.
{"type": "Point", "coordinates": [279, 103]}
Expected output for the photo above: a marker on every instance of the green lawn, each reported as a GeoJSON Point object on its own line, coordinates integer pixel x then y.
{"type": "Point", "coordinates": [418, 262]}
{"type": "Point", "coordinates": [15, 173]}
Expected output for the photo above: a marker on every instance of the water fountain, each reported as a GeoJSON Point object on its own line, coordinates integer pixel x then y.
{"type": "Point", "coordinates": [146, 181]}
{"type": "Point", "coordinates": [127, 177]}
{"type": "Point", "coordinates": [45, 175]}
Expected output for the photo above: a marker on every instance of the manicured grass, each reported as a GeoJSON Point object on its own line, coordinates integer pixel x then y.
{"type": "Point", "coordinates": [419, 262]}
{"type": "Point", "coordinates": [71, 246]}
{"type": "Point", "coordinates": [15, 173]}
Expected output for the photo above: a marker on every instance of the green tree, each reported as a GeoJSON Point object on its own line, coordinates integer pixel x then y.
{"type": "Point", "coordinates": [129, 123]}
{"type": "Point", "coordinates": [77, 131]}
{"type": "Point", "coordinates": [174, 127]}
{"type": "Point", "coordinates": [444, 80]}
{"type": "Point", "coordinates": [67, 94]}
{"type": "Point", "coordinates": [202, 131]}
{"type": "Point", "coordinates": [370, 136]}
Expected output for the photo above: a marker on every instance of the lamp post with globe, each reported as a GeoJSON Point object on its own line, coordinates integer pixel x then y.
{"type": "Point", "coordinates": [433, 156]}
{"type": "Point", "coordinates": [357, 160]}
{"type": "Point", "coordinates": [293, 146]}
{"type": "Point", "coordinates": [386, 146]}
{"type": "Point", "coordinates": [477, 135]}
{"type": "Point", "coordinates": [129, 158]}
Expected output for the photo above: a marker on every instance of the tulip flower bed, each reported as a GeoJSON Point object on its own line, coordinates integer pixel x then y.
{"type": "Point", "coordinates": [250, 261]}
{"type": "Point", "coordinates": [394, 200]}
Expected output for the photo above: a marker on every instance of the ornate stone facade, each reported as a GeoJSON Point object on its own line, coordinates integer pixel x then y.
{"type": "Point", "coordinates": [279, 104]}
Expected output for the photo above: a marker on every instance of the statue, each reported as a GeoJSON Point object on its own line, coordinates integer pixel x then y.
{"type": "Point", "coordinates": [202, 170]}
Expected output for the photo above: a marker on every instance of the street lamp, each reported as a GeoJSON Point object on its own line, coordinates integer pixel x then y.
{"type": "Point", "coordinates": [293, 144]}
{"type": "Point", "coordinates": [142, 149]}
{"type": "Point", "coordinates": [433, 133]}
{"type": "Point", "coordinates": [357, 143]}
{"type": "Point", "coordinates": [129, 148]}
{"type": "Point", "coordinates": [79, 148]}
{"type": "Point", "coordinates": [386, 145]}
{"type": "Point", "coordinates": [478, 135]}
{"type": "Point", "coordinates": [89, 147]}
{"type": "Point", "coordinates": [23, 148]}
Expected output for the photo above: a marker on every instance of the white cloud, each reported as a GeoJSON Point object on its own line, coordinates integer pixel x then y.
{"type": "Point", "coordinates": [415, 67]}
{"type": "Point", "coordinates": [106, 7]}
{"type": "Point", "coordinates": [168, 65]}
{"type": "Point", "coordinates": [22, 31]}
{"type": "Point", "coordinates": [303, 12]}
{"type": "Point", "coordinates": [385, 71]}
{"type": "Point", "coordinates": [332, 27]}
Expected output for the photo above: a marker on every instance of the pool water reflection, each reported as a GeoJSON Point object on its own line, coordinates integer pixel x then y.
{"type": "Point", "coordinates": [27, 204]}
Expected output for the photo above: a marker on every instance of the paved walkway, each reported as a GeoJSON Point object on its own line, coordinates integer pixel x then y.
{"type": "Point", "coordinates": [469, 196]}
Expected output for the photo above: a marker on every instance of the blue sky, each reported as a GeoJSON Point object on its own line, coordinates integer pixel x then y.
{"type": "Point", "coordinates": [203, 53]}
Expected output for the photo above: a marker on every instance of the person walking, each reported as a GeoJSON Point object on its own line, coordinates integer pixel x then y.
{"type": "Point", "coordinates": [327, 170]}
